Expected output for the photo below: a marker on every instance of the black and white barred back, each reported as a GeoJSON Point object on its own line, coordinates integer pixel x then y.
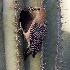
{"type": "Point", "coordinates": [37, 33]}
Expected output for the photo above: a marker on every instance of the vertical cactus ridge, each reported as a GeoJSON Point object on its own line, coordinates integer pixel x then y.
{"type": "Point", "coordinates": [58, 64]}
{"type": "Point", "coordinates": [13, 55]}
{"type": "Point", "coordinates": [19, 54]}
{"type": "Point", "coordinates": [2, 48]}
{"type": "Point", "coordinates": [9, 35]}
{"type": "Point", "coordinates": [65, 12]}
{"type": "Point", "coordinates": [63, 50]}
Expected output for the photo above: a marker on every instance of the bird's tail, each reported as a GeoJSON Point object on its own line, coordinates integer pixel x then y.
{"type": "Point", "coordinates": [27, 53]}
{"type": "Point", "coordinates": [33, 54]}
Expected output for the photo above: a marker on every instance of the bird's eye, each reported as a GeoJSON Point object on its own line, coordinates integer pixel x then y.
{"type": "Point", "coordinates": [38, 8]}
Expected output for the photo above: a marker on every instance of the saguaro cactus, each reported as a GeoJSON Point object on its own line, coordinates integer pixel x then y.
{"type": "Point", "coordinates": [56, 49]}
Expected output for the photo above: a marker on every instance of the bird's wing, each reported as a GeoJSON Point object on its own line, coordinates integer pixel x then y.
{"type": "Point", "coordinates": [37, 33]}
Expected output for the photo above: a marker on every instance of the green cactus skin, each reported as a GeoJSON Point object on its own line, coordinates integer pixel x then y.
{"type": "Point", "coordinates": [10, 36]}
{"type": "Point", "coordinates": [2, 52]}
{"type": "Point", "coordinates": [50, 41]}
{"type": "Point", "coordinates": [51, 37]}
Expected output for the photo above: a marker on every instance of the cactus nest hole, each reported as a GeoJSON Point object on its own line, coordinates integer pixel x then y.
{"type": "Point", "coordinates": [26, 19]}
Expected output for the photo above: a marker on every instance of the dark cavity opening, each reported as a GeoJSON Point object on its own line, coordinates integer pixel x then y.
{"type": "Point", "coordinates": [26, 19]}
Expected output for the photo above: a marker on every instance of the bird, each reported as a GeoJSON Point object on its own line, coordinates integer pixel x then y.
{"type": "Point", "coordinates": [36, 32]}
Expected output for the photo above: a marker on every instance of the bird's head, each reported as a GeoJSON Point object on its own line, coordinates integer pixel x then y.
{"type": "Point", "coordinates": [37, 10]}
{"type": "Point", "coordinates": [40, 12]}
